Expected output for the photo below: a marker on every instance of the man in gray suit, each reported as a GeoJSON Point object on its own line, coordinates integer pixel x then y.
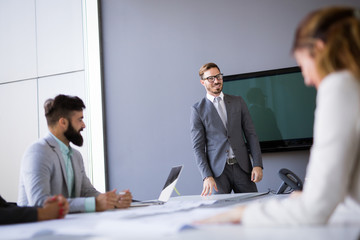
{"type": "Point", "coordinates": [51, 166]}
{"type": "Point", "coordinates": [219, 124]}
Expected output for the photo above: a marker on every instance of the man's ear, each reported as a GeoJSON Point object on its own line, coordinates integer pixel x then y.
{"type": "Point", "coordinates": [63, 123]}
{"type": "Point", "coordinates": [202, 82]}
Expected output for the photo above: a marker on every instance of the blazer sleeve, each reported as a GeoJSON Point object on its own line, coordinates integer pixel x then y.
{"type": "Point", "coordinates": [250, 135]}
{"type": "Point", "coordinates": [81, 179]}
{"type": "Point", "coordinates": [198, 138]}
{"type": "Point", "coordinates": [10, 213]}
{"type": "Point", "coordinates": [78, 204]}
{"type": "Point", "coordinates": [83, 187]}
{"type": "Point", "coordinates": [36, 171]}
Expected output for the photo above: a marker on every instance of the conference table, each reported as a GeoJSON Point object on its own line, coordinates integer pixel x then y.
{"type": "Point", "coordinates": [174, 220]}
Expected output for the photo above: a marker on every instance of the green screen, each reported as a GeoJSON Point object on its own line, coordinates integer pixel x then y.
{"type": "Point", "coordinates": [281, 106]}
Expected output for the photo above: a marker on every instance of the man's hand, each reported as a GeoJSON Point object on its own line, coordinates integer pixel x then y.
{"type": "Point", "coordinates": [54, 207]}
{"type": "Point", "coordinates": [208, 185]}
{"type": "Point", "coordinates": [110, 200]}
{"type": "Point", "coordinates": [124, 199]}
{"type": "Point", "coordinates": [256, 174]}
{"type": "Point", "coordinates": [106, 201]}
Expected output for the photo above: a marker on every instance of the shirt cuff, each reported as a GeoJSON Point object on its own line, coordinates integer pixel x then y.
{"type": "Point", "coordinates": [90, 205]}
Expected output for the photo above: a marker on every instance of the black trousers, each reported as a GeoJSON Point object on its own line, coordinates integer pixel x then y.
{"type": "Point", "coordinates": [233, 178]}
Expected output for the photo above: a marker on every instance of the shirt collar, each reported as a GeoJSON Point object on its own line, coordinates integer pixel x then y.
{"type": "Point", "coordinates": [67, 150]}
{"type": "Point", "coordinates": [212, 98]}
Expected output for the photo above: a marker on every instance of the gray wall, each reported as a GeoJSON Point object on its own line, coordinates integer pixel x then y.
{"type": "Point", "coordinates": [152, 52]}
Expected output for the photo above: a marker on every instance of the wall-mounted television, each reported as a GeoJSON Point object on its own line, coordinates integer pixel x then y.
{"type": "Point", "coordinates": [281, 106]}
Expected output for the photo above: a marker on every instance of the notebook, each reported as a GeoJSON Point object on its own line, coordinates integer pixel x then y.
{"type": "Point", "coordinates": [166, 191]}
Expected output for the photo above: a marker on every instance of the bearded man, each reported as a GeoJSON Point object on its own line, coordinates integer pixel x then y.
{"type": "Point", "coordinates": [51, 166]}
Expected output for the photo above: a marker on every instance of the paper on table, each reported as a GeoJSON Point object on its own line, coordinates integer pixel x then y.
{"type": "Point", "coordinates": [169, 207]}
{"type": "Point", "coordinates": [158, 225]}
{"type": "Point", "coordinates": [152, 219]}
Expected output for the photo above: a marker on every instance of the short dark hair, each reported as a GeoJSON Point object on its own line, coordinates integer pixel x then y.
{"type": "Point", "coordinates": [206, 67]}
{"type": "Point", "coordinates": [61, 106]}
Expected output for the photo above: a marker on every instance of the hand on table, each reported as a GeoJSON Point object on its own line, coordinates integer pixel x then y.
{"type": "Point", "coordinates": [105, 201]}
{"type": "Point", "coordinates": [124, 199]}
{"type": "Point", "coordinates": [54, 207]}
{"type": "Point", "coordinates": [208, 185]}
{"type": "Point", "coordinates": [110, 200]}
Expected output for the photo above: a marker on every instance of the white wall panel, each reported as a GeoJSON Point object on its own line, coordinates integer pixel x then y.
{"type": "Point", "coordinates": [18, 128]}
{"type": "Point", "coordinates": [69, 84]}
{"type": "Point", "coordinates": [41, 55]}
{"type": "Point", "coordinates": [60, 36]}
{"type": "Point", "coordinates": [18, 40]}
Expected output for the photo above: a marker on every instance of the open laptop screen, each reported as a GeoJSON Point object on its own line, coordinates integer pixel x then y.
{"type": "Point", "coordinates": [174, 174]}
{"type": "Point", "coordinates": [170, 183]}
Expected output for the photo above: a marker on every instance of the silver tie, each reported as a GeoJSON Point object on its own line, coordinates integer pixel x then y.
{"type": "Point", "coordinates": [221, 111]}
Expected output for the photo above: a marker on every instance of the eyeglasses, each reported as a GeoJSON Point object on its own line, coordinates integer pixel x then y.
{"type": "Point", "coordinates": [211, 79]}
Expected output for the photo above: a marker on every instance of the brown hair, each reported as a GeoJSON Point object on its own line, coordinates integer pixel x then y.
{"type": "Point", "coordinates": [339, 29]}
{"type": "Point", "coordinates": [61, 106]}
{"type": "Point", "coordinates": [206, 67]}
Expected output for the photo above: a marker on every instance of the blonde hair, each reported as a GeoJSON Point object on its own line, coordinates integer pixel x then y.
{"type": "Point", "coordinates": [206, 67]}
{"type": "Point", "coordinates": [339, 29]}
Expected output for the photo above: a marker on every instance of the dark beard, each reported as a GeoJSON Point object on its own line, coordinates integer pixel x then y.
{"type": "Point", "coordinates": [73, 136]}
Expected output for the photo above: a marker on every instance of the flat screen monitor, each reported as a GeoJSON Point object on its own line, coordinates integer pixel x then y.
{"type": "Point", "coordinates": [281, 107]}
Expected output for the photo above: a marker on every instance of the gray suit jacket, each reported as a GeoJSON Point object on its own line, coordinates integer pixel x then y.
{"type": "Point", "coordinates": [211, 140]}
{"type": "Point", "coordinates": [43, 174]}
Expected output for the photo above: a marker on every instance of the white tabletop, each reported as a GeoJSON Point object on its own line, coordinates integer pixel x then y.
{"type": "Point", "coordinates": [173, 220]}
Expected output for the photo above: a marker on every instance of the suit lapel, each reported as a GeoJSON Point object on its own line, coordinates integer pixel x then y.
{"type": "Point", "coordinates": [55, 147]}
{"type": "Point", "coordinates": [77, 176]}
{"type": "Point", "coordinates": [229, 108]}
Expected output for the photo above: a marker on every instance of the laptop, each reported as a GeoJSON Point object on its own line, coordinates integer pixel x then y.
{"type": "Point", "coordinates": [166, 191]}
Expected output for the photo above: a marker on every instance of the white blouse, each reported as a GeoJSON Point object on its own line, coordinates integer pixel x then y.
{"type": "Point", "coordinates": [333, 172]}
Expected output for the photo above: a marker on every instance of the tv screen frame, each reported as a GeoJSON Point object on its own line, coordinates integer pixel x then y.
{"type": "Point", "coordinates": [283, 144]}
